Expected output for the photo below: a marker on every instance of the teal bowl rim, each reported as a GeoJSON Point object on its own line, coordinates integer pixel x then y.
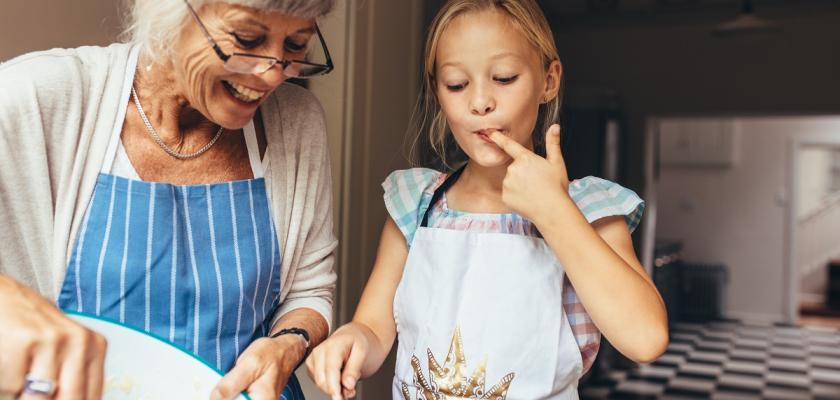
{"type": "Point", "coordinates": [153, 336]}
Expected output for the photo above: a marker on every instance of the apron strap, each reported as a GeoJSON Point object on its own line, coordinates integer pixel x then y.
{"type": "Point", "coordinates": [113, 143]}
{"type": "Point", "coordinates": [253, 150]}
{"type": "Point", "coordinates": [450, 180]}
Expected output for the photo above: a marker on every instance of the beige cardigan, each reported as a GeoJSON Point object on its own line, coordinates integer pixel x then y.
{"type": "Point", "coordinates": [58, 109]}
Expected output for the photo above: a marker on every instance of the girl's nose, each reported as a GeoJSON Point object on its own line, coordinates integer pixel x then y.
{"type": "Point", "coordinates": [482, 103]}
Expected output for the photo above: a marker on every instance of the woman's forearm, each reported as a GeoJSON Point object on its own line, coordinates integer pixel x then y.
{"type": "Point", "coordinates": [305, 318]}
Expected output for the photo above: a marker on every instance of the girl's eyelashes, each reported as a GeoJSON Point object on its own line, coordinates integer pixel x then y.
{"type": "Point", "coordinates": [506, 80]}
{"type": "Point", "coordinates": [456, 88]}
{"type": "Point", "coordinates": [247, 42]}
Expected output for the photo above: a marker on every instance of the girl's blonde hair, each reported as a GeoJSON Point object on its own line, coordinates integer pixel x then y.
{"type": "Point", "coordinates": [433, 145]}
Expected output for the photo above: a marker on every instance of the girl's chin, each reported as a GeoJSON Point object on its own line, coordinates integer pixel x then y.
{"type": "Point", "coordinates": [490, 159]}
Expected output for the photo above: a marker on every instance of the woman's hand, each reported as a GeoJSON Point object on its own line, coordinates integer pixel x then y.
{"type": "Point", "coordinates": [263, 369]}
{"type": "Point", "coordinates": [336, 364]}
{"type": "Point", "coordinates": [534, 185]}
{"type": "Point", "coordinates": [38, 341]}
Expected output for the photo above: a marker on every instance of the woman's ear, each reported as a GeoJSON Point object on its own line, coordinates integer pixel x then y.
{"type": "Point", "coordinates": [553, 77]}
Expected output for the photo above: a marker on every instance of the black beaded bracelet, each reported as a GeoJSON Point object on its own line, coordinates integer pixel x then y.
{"type": "Point", "coordinates": [300, 332]}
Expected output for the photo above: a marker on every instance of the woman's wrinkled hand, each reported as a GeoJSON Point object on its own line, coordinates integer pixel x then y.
{"type": "Point", "coordinates": [336, 364]}
{"type": "Point", "coordinates": [263, 369]}
{"type": "Point", "coordinates": [40, 342]}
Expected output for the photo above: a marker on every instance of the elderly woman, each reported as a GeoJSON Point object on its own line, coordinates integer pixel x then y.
{"type": "Point", "coordinates": [173, 183]}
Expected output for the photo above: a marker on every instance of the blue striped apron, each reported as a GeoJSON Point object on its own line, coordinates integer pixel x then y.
{"type": "Point", "coordinates": [198, 265]}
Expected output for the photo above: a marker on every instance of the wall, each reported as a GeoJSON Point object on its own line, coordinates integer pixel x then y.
{"type": "Point", "coordinates": [43, 24]}
{"type": "Point", "coordinates": [736, 216]}
{"type": "Point", "coordinates": [670, 64]}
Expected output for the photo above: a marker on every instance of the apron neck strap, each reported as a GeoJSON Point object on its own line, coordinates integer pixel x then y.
{"type": "Point", "coordinates": [128, 81]}
{"type": "Point", "coordinates": [253, 149]}
{"type": "Point", "coordinates": [450, 180]}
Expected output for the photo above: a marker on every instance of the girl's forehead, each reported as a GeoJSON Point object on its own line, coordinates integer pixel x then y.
{"type": "Point", "coordinates": [483, 36]}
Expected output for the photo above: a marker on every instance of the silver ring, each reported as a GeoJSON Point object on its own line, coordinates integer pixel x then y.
{"type": "Point", "coordinates": [39, 387]}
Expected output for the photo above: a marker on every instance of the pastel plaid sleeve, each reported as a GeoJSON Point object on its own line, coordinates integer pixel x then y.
{"type": "Point", "coordinates": [587, 335]}
{"type": "Point", "coordinates": [407, 196]}
{"type": "Point", "coordinates": [599, 198]}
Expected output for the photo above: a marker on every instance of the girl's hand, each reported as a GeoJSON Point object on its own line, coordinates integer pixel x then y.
{"type": "Point", "coordinates": [534, 185]}
{"type": "Point", "coordinates": [263, 369]}
{"type": "Point", "coordinates": [336, 364]}
{"type": "Point", "coordinates": [38, 341]}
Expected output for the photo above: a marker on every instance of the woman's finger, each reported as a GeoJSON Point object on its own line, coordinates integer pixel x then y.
{"type": "Point", "coordinates": [73, 379]}
{"type": "Point", "coordinates": [266, 387]}
{"type": "Point", "coordinates": [14, 363]}
{"type": "Point", "coordinates": [44, 370]}
{"type": "Point", "coordinates": [96, 367]}
{"type": "Point", "coordinates": [234, 382]}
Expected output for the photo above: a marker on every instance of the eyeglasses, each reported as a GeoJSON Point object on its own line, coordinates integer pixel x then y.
{"type": "Point", "coordinates": [255, 64]}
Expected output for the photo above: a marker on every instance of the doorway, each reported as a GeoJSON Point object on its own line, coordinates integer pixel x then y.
{"type": "Point", "coordinates": [725, 189]}
{"type": "Point", "coordinates": [814, 223]}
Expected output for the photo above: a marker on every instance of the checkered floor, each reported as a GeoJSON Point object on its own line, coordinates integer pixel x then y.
{"type": "Point", "coordinates": [732, 360]}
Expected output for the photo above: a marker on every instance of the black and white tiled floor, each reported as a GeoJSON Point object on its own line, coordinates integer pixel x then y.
{"type": "Point", "coordinates": [732, 360]}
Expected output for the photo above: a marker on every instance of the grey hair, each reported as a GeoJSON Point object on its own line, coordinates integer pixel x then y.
{"type": "Point", "coordinates": [156, 24]}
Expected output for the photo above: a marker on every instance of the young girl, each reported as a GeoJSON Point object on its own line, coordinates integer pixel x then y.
{"type": "Point", "coordinates": [473, 266]}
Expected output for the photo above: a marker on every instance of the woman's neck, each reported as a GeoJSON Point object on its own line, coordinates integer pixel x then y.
{"type": "Point", "coordinates": [167, 107]}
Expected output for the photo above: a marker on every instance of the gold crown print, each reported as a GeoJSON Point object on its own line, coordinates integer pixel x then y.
{"type": "Point", "coordinates": [449, 382]}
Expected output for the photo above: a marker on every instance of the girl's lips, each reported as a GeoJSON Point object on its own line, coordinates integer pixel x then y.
{"type": "Point", "coordinates": [488, 131]}
{"type": "Point", "coordinates": [484, 134]}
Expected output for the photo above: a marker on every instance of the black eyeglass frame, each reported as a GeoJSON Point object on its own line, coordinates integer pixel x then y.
{"type": "Point", "coordinates": [324, 68]}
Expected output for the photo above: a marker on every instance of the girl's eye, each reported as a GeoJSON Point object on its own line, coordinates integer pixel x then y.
{"type": "Point", "coordinates": [247, 42]}
{"type": "Point", "coordinates": [294, 47]}
{"type": "Point", "coordinates": [456, 88]}
{"type": "Point", "coordinates": [506, 80]}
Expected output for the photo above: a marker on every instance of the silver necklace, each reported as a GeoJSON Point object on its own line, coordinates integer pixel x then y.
{"type": "Point", "coordinates": [172, 152]}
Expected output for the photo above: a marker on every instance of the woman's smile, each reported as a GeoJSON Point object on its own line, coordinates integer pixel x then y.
{"type": "Point", "coordinates": [243, 93]}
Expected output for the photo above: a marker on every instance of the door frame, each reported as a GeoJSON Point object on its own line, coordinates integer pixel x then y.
{"type": "Point", "coordinates": [791, 295]}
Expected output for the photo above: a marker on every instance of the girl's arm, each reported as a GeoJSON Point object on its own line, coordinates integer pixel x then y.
{"type": "Point", "coordinates": [598, 258]}
{"type": "Point", "coordinates": [601, 264]}
{"type": "Point", "coordinates": [358, 349]}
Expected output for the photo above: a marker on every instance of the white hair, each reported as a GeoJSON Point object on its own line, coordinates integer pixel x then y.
{"type": "Point", "coordinates": [156, 24]}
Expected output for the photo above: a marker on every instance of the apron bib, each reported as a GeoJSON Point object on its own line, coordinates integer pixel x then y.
{"type": "Point", "coordinates": [480, 316]}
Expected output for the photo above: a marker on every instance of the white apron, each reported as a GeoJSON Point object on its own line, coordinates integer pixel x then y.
{"type": "Point", "coordinates": [480, 316]}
